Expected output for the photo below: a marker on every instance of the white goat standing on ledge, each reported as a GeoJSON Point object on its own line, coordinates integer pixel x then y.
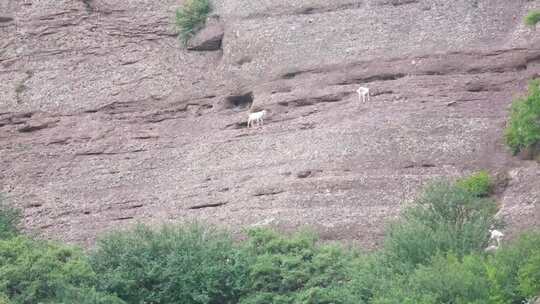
{"type": "Point", "coordinates": [256, 117]}
{"type": "Point", "coordinates": [363, 94]}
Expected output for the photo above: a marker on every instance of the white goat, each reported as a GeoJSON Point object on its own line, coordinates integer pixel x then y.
{"type": "Point", "coordinates": [256, 117]}
{"type": "Point", "coordinates": [496, 235]}
{"type": "Point", "coordinates": [363, 94]}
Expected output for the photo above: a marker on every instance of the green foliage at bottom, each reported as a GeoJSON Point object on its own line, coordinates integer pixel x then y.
{"type": "Point", "coordinates": [434, 254]}
{"type": "Point", "coordinates": [42, 272]}
{"type": "Point", "coordinates": [295, 269]}
{"type": "Point", "coordinates": [176, 264]}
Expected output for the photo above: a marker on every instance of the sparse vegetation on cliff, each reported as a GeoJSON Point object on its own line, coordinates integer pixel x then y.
{"type": "Point", "coordinates": [532, 18]}
{"type": "Point", "coordinates": [478, 184]}
{"type": "Point", "coordinates": [523, 130]}
{"type": "Point", "coordinates": [190, 18]}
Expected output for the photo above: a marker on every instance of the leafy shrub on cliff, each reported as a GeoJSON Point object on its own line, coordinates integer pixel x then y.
{"type": "Point", "coordinates": [532, 18]}
{"type": "Point", "coordinates": [294, 269]}
{"type": "Point", "coordinates": [9, 219]}
{"type": "Point", "coordinates": [523, 130]}
{"type": "Point", "coordinates": [446, 279]}
{"type": "Point", "coordinates": [176, 264]}
{"type": "Point", "coordinates": [512, 271]}
{"type": "Point", "coordinates": [479, 183]}
{"type": "Point", "coordinates": [41, 272]}
{"type": "Point", "coordinates": [445, 218]}
{"type": "Point", "coordinates": [191, 18]}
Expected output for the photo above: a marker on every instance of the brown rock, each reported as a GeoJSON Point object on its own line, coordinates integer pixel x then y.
{"type": "Point", "coordinates": [209, 38]}
{"type": "Point", "coordinates": [4, 19]}
{"type": "Point", "coordinates": [530, 153]}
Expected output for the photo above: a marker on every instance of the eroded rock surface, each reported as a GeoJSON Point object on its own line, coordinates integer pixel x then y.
{"type": "Point", "coordinates": [105, 120]}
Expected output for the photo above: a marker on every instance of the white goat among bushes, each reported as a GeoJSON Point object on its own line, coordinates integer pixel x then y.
{"type": "Point", "coordinates": [496, 235]}
{"type": "Point", "coordinates": [363, 94]}
{"type": "Point", "coordinates": [256, 117]}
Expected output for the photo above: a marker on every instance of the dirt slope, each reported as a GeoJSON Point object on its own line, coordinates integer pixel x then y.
{"type": "Point", "coordinates": [105, 120]}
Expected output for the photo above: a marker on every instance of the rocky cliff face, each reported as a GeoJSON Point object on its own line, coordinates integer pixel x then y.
{"type": "Point", "coordinates": [105, 120]}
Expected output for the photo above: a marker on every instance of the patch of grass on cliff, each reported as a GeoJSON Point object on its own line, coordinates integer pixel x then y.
{"type": "Point", "coordinates": [479, 183]}
{"type": "Point", "coordinates": [523, 130]}
{"type": "Point", "coordinates": [532, 18]}
{"type": "Point", "coordinates": [190, 18]}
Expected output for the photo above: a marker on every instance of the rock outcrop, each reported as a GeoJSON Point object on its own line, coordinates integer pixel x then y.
{"type": "Point", "coordinates": [105, 120]}
{"type": "Point", "coordinates": [210, 37]}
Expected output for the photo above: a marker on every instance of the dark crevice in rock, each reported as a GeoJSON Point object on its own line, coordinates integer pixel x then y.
{"type": "Point", "coordinates": [318, 10]}
{"type": "Point", "coordinates": [307, 173]}
{"type": "Point", "coordinates": [398, 2]}
{"type": "Point", "coordinates": [310, 10]}
{"type": "Point", "coordinates": [4, 19]}
{"type": "Point", "coordinates": [123, 218]}
{"type": "Point", "coordinates": [136, 206]}
{"type": "Point", "coordinates": [264, 192]}
{"type": "Point", "coordinates": [35, 127]}
{"type": "Point", "coordinates": [239, 102]}
{"type": "Point", "coordinates": [308, 101]}
{"type": "Point", "coordinates": [244, 60]}
{"type": "Point", "coordinates": [15, 119]}
{"type": "Point", "coordinates": [97, 153]}
{"type": "Point", "coordinates": [293, 74]}
{"type": "Point", "coordinates": [211, 205]}
{"type": "Point", "coordinates": [419, 165]}
{"type": "Point", "coordinates": [281, 90]}
{"type": "Point", "coordinates": [380, 77]}
{"type": "Point", "coordinates": [382, 92]}
{"type": "Point", "coordinates": [237, 125]}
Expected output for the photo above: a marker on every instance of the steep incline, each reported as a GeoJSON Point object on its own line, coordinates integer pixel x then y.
{"type": "Point", "coordinates": [105, 120]}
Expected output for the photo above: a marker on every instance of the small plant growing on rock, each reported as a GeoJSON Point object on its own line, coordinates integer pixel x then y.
{"type": "Point", "coordinates": [191, 18]}
{"type": "Point", "coordinates": [523, 130]}
{"type": "Point", "coordinates": [9, 219]}
{"type": "Point", "coordinates": [478, 184]}
{"type": "Point", "coordinates": [532, 18]}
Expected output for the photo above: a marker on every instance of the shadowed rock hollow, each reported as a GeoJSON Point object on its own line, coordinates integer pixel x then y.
{"type": "Point", "coordinates": [105, 120]}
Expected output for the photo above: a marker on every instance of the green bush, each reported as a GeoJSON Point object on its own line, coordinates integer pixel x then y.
{"type": "Point", "coordinates": [529, 276]}
{"type": "Point", "coordinates": [445, 218]}
{"type": "Point", "coordinates": [445, 280]}
{"type": "Point", "coordinates": [172, 265]}
{"type": "Point", "coordinates": [433, 255]}
{"type": "Point", "coordinates": [523, 130]}
{"type": "Point", "coordinates": [9, 219]}
{"type": "Point", "coordinates": [191, 18]}
{"type": "Point", "coordinates": [294, 269]}
{"type": "Point", "coordinates": [478, 183]}
{"type": "Point", "coordinates": [532, 18]}
{"type": "Point", "coordinates": [509, 270]}
{"type": "Point", "coordinates": [41, 272]}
